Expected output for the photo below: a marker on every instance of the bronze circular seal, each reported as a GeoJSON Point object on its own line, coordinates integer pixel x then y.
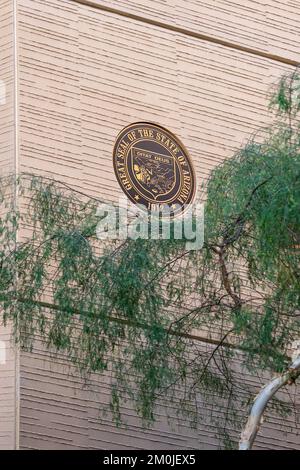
{"type": "Point", "coordinates": [153, 168]}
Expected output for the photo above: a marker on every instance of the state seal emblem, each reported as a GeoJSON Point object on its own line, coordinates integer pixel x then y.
{"type": "Point", "coordinates": [153, 168]}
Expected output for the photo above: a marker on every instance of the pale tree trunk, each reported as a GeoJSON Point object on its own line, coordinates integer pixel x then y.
{"type": "Point", "coordinates": [261, 400]}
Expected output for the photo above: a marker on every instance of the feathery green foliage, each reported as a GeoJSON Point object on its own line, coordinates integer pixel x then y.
{"type": "Point", "coordinates": [130, 307]}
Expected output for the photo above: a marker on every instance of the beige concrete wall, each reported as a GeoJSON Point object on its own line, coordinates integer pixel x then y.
{"type": "Point", "coordinates": [58, 412]}
{"type": "Point", "coordinates": [262, 26]}
{"type": "Point", "coordinates": [7, 390]}
{"type": "Point", "coordinates": [6, 87]}
{"type": "Point", "coordinates": [86, 72]}
{"type": "Point", "coordinates": [7, 165]}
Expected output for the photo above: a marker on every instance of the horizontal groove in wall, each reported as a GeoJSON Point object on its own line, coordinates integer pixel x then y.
{"type": "Point", "coordinates": [186, 32]}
